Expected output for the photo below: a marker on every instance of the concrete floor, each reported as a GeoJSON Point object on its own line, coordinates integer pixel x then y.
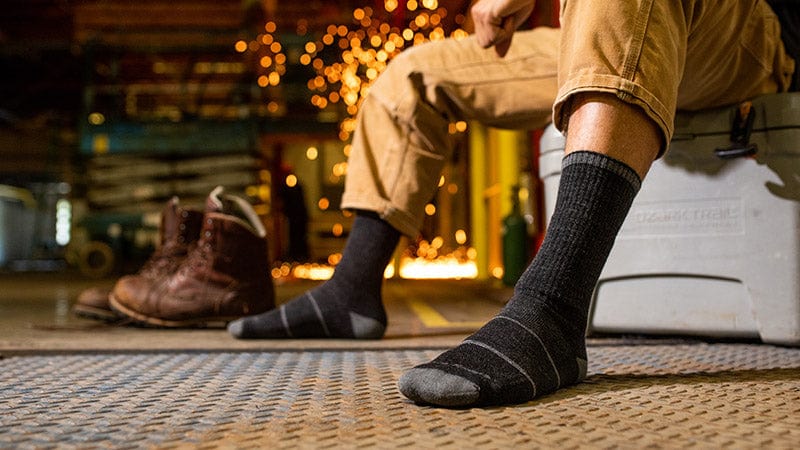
{"type": "Point", "coordinates": [67, 382]}
{"type": "Point", "coordinates": [35, 317]}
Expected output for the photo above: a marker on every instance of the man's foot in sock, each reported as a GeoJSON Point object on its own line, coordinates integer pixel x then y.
{"type": "Point", "coordinates": [349, 305]}
{"type": "Point", "coordinates": [517, 356]}
{"type": "Point", "coordinates": [536, 344]}
{"type": "Point", "coordinates": [328, 311]}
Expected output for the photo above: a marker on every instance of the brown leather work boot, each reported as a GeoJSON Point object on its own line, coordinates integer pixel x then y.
{"type": "Point", "coordinates": [226, 276]}
{"type": "Point", "coordinates": [180, 229]}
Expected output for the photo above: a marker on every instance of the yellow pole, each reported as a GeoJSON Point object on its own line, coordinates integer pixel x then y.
{"type": "Point", "coordinates": [477, 176]}
{"type": "Point", "coordinates": [509, 144]}
{"type": "Point", "coordinates": [491, 196]}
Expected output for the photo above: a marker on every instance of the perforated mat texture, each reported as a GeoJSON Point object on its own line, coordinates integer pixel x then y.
{"type": "Point", "coordinates": [693, 395]}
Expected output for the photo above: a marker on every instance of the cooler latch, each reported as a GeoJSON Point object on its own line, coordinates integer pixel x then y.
{"type": "Point", "coordinates": [740, 134]}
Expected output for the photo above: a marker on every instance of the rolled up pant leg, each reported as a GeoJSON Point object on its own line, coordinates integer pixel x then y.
{"type": "Point", "coordinates": [663, 55]}
{"type": "Point", "coordinates": [401, 141]}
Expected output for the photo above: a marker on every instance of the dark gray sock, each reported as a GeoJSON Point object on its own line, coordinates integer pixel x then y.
{"type": "Point", "coordinates": [349, 305]}
{"type": "Point", "coordinates": [536, 344]}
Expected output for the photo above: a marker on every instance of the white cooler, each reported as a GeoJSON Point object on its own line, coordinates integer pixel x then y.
{"type": "Point", "coordinates": [711, 245]}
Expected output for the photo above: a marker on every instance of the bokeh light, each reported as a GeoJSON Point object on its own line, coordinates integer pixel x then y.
{"type": "Point", "coordinates": [349, 58]}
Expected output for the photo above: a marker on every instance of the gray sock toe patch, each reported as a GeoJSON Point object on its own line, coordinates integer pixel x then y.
{"type": "Point", "coordinates": [236, 328]}
{"type": "Point", "coordinates": [425, 385]}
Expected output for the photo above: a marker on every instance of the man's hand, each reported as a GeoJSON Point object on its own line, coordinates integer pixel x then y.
{"type": "Point", "coordinates": [496, 21]}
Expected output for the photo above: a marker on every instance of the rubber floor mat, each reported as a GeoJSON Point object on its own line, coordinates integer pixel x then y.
{"type": "Point", "coordinates": [692, 395]}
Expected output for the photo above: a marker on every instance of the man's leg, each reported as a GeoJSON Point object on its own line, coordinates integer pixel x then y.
{"type": "Point", "coordinates": [604, 124]}
{"type": "Point", "coordinates": [401, 141]}
{"type": "Point", "coordinates": [399, 147]}
{"type": "Point", "coordinates": [536, 344]}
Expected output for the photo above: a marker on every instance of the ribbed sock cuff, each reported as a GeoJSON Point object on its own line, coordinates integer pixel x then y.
{"type": "Point", "coordinates": [604, 162]}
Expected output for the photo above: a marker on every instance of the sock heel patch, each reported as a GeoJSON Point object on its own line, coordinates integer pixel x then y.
{"type": "Point", "coordinates": [582, 369]}
{"type": "Point", "coordinates": [366, 327]}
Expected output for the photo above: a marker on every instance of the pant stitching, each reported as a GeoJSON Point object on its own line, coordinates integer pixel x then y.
{"type": "Point", "coordinates": [635, 50]}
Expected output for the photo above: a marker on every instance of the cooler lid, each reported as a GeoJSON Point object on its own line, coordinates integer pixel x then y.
{"type": "Point", "coordinates": [772, 111]}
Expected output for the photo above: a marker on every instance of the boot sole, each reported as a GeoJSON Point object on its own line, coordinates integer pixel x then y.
{"type": "Point", "coordinates": [88, 312]}
{"type": "Point", "coordinates": [203, 322]}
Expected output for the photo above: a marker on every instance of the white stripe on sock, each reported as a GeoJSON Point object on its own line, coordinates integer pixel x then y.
{"type": "Point", "coordinates": [319, 313]}
{"type": "Point", "coordinates": [285, 321]}
{"type": "Point", "coordinates": [506, 359]}
{"type": "Point", "coordinates": [546, 352]}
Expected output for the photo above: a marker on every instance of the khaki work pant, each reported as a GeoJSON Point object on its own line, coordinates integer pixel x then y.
{"type": "Point", "coordinates": [661, 55]}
